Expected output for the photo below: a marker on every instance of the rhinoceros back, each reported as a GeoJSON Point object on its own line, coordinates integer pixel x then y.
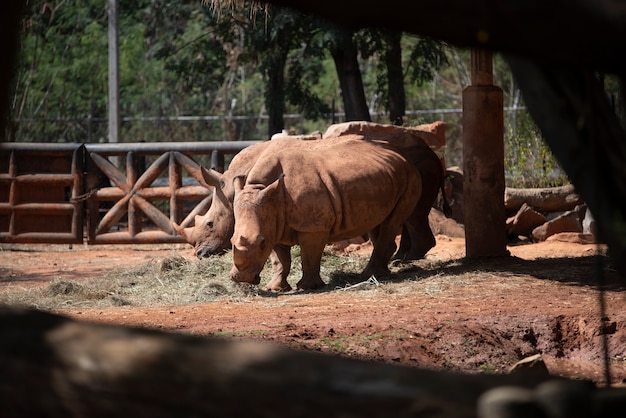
{"type": "Point", "coordinates": [346, 186]}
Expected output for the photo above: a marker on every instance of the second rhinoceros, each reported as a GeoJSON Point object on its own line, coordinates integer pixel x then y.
{"type": "Point", "coordinates": [417, 236]}
{"type": "Point", "coordinates": [212, 231]}
{"type": "Point", "coordinates": [310, 197]}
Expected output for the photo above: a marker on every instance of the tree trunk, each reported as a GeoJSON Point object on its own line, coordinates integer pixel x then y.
{"type": "Point", "coordinates": [395, 78]}
{"type": "Point", "coordinates": [550, 199]}
{"type": "Point", "coordinates": [10, 22]}
{"type": "Point", "coordinates": [345, 55]}
{"type": "Point", "coordinates": [275, 96]}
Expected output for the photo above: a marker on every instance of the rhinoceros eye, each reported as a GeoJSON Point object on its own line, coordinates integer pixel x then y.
{"type": "Point", "coordinates": [209, 224]}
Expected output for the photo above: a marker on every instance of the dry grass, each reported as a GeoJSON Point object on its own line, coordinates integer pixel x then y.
{"type": "Point", "coordinates": [173, 281]}
{"type": "Point", "coordinates": [178, 281]}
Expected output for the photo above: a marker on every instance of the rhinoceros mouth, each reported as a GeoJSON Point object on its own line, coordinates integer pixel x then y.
{"type": "Point", "coordinates": [207, 252]}
{"type": "Point", "coordinates": [241, 277]}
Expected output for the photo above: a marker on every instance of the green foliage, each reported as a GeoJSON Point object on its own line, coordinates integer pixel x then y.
{"type": "Point", "coordinates": [302, 74]}
{"type": "Point", "coordinates": [180, 58]}
{"type": "Point", "coordinates": [426, 57]}
{"type": "Point", "coordinates": [528, 160]}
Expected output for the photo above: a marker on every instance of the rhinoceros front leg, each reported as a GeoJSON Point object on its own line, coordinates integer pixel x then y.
{"type": "Point", "coordinates": [281, 265]}
{"type": "Point", "coordinates": [311, 248]}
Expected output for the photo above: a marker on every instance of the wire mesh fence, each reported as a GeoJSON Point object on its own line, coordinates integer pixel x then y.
{"type": "Point", "coordinates": [528, 161]}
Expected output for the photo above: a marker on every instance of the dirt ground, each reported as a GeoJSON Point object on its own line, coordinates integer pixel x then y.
{"type": "Point", "coordinates": [543, 299]}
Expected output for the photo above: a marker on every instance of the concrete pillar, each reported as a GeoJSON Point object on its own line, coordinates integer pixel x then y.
{"type": "Point", "coordinates": [483, 162]}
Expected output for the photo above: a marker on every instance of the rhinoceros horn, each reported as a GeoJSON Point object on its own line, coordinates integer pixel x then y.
{"type": "Point", "coordinates": [181, 231]}
{"type": "Point", "coordinates": [212, 177]}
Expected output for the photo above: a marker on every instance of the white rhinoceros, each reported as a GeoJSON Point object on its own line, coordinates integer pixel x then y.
{"type": "Point", "coordinates": [310, 196]}
{"type": "Point", "coordinates": [212, 232]}
{"type": "Point", "coordinates": [414, 144]}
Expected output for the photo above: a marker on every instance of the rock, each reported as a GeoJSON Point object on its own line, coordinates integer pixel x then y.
{"type": "Point", "coordinates": [530, 365]}
{"type": "Point", "coordinates": [434, 134]}
{"type": "Point", "coordinates": [312, 136]}
{"type": "Point", "coordinates": [525, 220]}
{"type": "Point", "coordinates": [440, 225]}
{"type": "Point", "coordinates": [549, 199]}
{"type": "Point", "coordinates": [589, 223]}
{"type": "Point", "coordinates": [567, 222]}
{"type": "Point", "coordinates": [573, 237]}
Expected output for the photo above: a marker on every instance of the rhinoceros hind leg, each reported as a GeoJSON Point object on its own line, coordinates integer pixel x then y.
{"type": "Point", "coordinates": [311, 283]}
{"type": "Point", "coordinates": [417, 239]}
{"type": "Point", "coordinates": [425, 241]}
{"type": "Point", "coordinates": [384, 237]}
{"type": "Point", "coordinates": [378, 264]}
{"type": "Point", "coordinates": [421, 238]}
{"type": "Point", "coordinates": [405, 245]}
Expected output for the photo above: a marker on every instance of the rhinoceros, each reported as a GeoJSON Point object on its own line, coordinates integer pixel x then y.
{"type": "Point", "coordinates": [212, 231]}
{"type": "Point", "coordinates": [417, 236]}
{"type": "Point", "coordinates": [311, 196]}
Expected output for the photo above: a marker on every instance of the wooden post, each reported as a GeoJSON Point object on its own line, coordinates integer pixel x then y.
{"type": "Point", "coordinates": [114, 88]}
{"type": "Point", "coordinates": [217, 161]}
{"type": "Point", "coordinates": [483, 161]}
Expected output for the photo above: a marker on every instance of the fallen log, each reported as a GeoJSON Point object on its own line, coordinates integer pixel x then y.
{"type": "Point", "coordinates": [54, 366]}
{"type": "Point", "coordinates": [549, 199]}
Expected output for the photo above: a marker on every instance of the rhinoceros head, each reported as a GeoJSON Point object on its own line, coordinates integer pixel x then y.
{"type": "Point", "coordinates": [211, 232]}
{"type": "Point", "coordinates": [255, 228]}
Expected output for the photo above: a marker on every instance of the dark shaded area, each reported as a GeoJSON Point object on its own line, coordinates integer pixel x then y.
{"type": "Point", "coordinates": [81, 369]}
{"type": "Point", "coordinates": [583, 33]}
{"type": "Point", "coordinates": [554, 65]}
{"type": "Point", "coordinates": [78, 369]}
{"type": "Point", "coordinates": [579, 271]}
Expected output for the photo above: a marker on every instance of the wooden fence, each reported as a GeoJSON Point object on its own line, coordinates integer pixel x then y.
{"type": "Point", "coordinates": [104, 193]}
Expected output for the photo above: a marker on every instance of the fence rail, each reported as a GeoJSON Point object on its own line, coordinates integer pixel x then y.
{"type": "Point", "coordinates": [104, 193]}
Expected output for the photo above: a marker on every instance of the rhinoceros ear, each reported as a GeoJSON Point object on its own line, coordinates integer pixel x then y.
{"type": "Point", "coordinates": [240, 243]}
{"type": "Point", "coordinates": [212, 177]}
{"type": "Point", "coordinates": [272, 188]}
{"type": "Point", "coordinates": [238, 183]}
